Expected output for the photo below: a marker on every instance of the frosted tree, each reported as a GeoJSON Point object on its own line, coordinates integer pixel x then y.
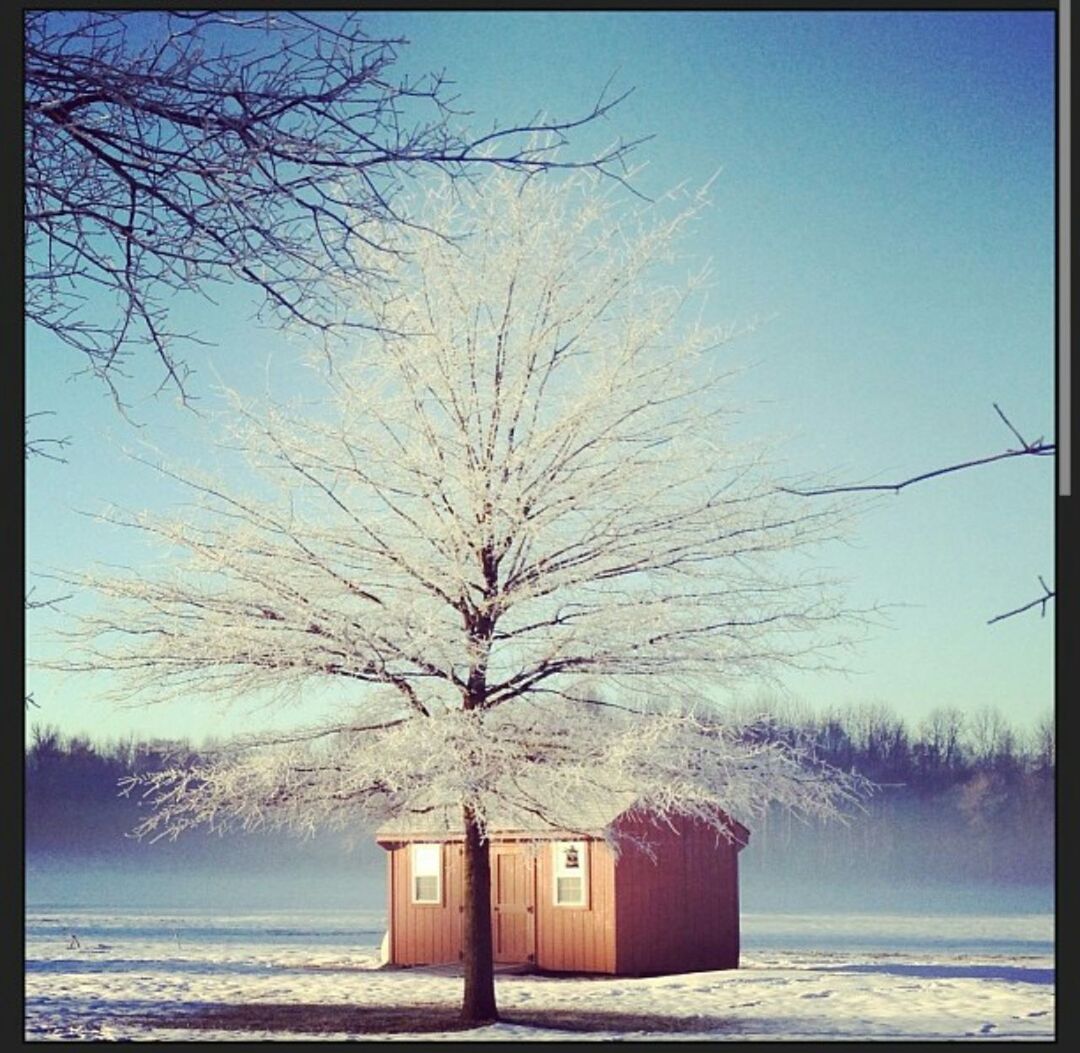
{"type": "Point", "coordinates": [513, 532]}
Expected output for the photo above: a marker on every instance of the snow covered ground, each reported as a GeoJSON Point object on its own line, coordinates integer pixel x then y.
{"type": "Point", "coordinates": [96, 974]}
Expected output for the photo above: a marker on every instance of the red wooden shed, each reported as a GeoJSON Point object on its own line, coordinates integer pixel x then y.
{"type": "Point", "coordinates": [562, 901]}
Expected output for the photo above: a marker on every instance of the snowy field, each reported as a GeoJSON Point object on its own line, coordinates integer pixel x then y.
{"type": "Point", "coordinates": [96, 974]}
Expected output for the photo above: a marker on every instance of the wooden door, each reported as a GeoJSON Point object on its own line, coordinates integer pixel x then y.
{"type": "Point", "coordinates": [513, 914]}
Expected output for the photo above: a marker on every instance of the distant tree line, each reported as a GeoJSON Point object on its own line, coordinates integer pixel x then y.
{"type": "Point", "coordinates": [73, 807]}
{"type": "Point", "coordinates": [71, 794]}
{"type": "Point", "coordinates": [947, 748]}
{"type": "Point", "coordinates": [960, 795]}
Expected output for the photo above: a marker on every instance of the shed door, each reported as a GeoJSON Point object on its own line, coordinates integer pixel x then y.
{"type": "Point", "coordinates": [513, 918]}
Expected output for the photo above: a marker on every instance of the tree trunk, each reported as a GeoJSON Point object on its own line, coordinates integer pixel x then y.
{"type": "Point", "coordinates": [478, 1006]}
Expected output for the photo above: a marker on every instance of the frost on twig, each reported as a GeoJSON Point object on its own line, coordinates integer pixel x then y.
{"type": "Point", "coordinates": [533, 769]}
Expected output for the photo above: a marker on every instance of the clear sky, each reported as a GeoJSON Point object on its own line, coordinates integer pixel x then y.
{"type": "Point", "coordinates": [885, 208]}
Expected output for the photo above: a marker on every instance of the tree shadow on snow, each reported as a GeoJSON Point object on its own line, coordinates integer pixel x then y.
{"type": "Point", "coordinates": [406, 1019]}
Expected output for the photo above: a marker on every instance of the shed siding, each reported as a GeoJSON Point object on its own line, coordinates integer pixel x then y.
{"type": "Point", "coordinates": [679, 913]}
{"type": "Point", "coordinates": [577, 939]}
{"type": "Point", "coordinates": [425, 934]}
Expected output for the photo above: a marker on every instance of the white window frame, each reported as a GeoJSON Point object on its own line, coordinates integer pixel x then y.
{"type": "Point", "coordinates": [426, 860]}
{"type": "Point", "coordinates": [560, 870]}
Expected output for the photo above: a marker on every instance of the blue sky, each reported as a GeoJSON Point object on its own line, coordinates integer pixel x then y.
{"type": "Point", "coordinates": [884, 208]}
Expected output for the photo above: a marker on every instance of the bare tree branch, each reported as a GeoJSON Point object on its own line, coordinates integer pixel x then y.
{"type": "Point", "coordinates": [169, 152]}
{"type": "Point", "coordinates": [32, 605]}
{"type": "Point", "coordinates": [41, 446]}
{"type": "Point", "coordinates": [51, 603]}
{"type": "Point", "coordinates": [1048, 594]}
{"type": "Point", "coordinates": [1037, 448]}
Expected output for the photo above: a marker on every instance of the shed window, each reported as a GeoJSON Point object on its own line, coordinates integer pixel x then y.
{"type": "Point", "coordinates": [427, 873]}
{"type": "Point", "coordinates": [571, 874]}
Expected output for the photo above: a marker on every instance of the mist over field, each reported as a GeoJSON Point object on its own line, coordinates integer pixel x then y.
{"type": "Point", "coordinates": [279, 875]}
{"type": "Point", "coordinates": [960, 823]}
{"type": "Point", "coordinates": [777, 873]}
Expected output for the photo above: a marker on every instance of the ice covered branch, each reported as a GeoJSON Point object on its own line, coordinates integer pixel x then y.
{"type": "Point", "coordinates": [523, 767]}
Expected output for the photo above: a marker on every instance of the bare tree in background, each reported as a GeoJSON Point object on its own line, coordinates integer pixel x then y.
{"type": "Point", "coordinates": [171, 152]}
{"type": "Point", "coordinates": [1044, 743]}
{"type": "Point", "coordinates": [941, 736]}
{"type": "Point", "coordinates": [515, 537]}
{"type": "Point", "coordinates": [989, 734]}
